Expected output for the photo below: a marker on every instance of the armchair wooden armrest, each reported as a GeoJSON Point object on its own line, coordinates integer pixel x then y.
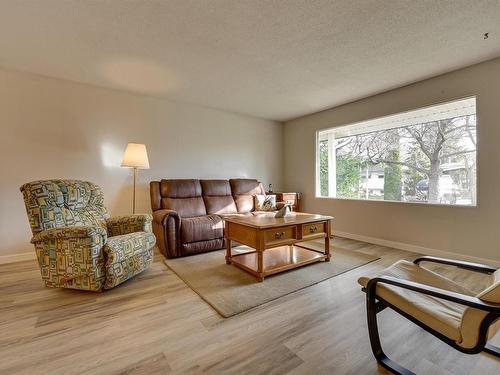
{"type": "Point", "coordinates": [477, 267]}
{"type": "Point", "coordinates": [462, 299]}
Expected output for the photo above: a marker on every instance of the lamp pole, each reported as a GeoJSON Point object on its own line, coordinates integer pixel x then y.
{"type": "Point", "coordinates": [133, 196]}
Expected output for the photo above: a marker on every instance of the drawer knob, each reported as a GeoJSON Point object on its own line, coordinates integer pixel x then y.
{"type": "Point", "coordinates": [279, 235]}
{"type": "Point", "coordinates": [313, 229]}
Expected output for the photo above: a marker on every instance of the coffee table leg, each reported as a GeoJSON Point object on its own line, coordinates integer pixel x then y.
{"type": "Point", "coordinates": [228, 251]}
{"type": "Point", "coordinates": [260, 265]}
{"type": "Point", "coordinates": [327, 241]}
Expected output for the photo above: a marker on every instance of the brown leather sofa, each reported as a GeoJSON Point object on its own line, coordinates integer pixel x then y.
{"type": "Point", "coordinates": [188, 215]}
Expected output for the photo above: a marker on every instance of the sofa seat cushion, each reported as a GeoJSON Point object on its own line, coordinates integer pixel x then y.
{"type": "Point", "coordinates": [443, 316]}
{"type": "Point", "coordinates": [201, 228]}
{"type": "Point", "coordinates": [202, 246]}
{"type": "Point", "coordinates": [127, 255]}
{"type": "Point", "coordinates": [225, 216]}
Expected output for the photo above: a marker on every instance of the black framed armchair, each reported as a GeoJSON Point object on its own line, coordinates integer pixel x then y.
{"type": "Point", "coordinates": [440, 306]}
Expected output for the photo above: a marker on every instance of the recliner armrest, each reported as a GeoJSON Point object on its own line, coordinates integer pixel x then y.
{"type": "Point", "coordinates": [129, 224]}
{"type": "Point", "coordinates": [166, 227]}
{"type": "Point", "coordinates": [69, 232]}
{"type": "Point", "coordinates": [160, 216]}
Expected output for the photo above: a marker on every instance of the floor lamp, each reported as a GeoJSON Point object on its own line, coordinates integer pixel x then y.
{"type": "Point", "coordinates": [135, 156]}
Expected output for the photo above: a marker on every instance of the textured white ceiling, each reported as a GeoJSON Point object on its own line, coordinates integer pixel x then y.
{"type": "Point", "coordinates": [272, 59]}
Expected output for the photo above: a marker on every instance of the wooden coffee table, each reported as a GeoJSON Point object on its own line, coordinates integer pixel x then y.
{"type": "Point", "coordinates": [276, 241]}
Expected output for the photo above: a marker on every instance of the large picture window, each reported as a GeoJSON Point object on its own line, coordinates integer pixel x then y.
{"type": "Point", "coordinates": [424, 156]}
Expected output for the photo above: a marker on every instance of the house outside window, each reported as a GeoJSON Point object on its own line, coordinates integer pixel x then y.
{"type": "Point", "coordinates": [426, 155]}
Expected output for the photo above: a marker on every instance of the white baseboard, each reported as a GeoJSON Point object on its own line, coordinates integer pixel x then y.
{"type": "Point", "coordinates": [416, 249]}
{"type": "Point", "coordinates": [4, 259]}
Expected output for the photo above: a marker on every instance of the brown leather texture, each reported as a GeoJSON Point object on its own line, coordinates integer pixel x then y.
{"type": "Point", "coordinates": [166, 228]}
{"type": "Point", "coordinates": [154, 193]}
{"type": "Point", "coordinates": [243, 190]}
{"type": "Point", "coordinates": [224, 216]}
{"type": "Point", "coordinates": [220, 205]}
{"type": "Point", "coordinates": [202, 246]}
{"type": "Point", "coordinates": [215, 188]}
{"type": "Point", "coordinates": [246, 186]}
{"type": "Point", "coordinates": [201, 228]}
{"type": "Point", "coordinates": [217, 196]}
{"type": "Point", "coordinates": [188, 214]}
{"type": "Point", "coordinates": [180, 188]}
{"type": "Point", "coordinates": [244, 203]}
{"type": "Point", "coordinates": [185, 207]}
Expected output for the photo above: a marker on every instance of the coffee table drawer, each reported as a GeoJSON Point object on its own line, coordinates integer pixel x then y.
{"type": "Point", "coordinates": [313, 229]}
{"type": "Point", "coordinates": [279, 235]}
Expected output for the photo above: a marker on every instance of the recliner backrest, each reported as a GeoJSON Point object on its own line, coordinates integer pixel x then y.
{"type": "Point", "coordinates": [217, 197]}
{"type": "Point", "coordinates": [61, 203]}
{"type": "Point", "coordinates": [183, 196]}
{"type": "Point", "coordinates": [243, 190]}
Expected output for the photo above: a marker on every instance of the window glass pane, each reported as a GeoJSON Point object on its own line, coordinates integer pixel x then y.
{"type": "Point", "coordinates": [424, 156]}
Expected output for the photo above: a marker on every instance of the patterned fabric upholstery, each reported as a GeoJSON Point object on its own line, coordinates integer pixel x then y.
{"type": "Point", "coordinates": [77, 245]}
{"type": "Point", "coordinates": [128, 224]}
{"type": "Point", "coordinates": [127, 255]}
{"type": "Point", "coordinates": [71, 257]}
{"type": "Point", "coordinates": [62, 203]}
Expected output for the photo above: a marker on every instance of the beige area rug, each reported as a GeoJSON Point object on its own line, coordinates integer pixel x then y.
{"type": "Point", "coordinates": [230, 290]}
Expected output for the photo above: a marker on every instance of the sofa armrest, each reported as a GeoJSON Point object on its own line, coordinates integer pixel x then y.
{"type": "Point", "coordinates": [129, 224]}
{"type": "Point", "coordinates": [161, 216]}
{"type": "Point", "coordinates": [65, 233]}
{"type": "Point", "coordinates": [166, 227]}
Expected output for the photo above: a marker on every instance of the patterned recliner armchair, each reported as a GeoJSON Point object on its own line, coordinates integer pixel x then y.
{"type": "Point", "coordinates": [78, 246]}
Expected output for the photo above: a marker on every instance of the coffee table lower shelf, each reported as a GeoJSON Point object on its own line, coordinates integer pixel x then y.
{"type": "Point", "coordinates": [277, 259]}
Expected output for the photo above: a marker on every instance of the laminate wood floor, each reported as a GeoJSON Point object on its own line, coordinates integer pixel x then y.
{"type": "Point", "coordinates": [155, 324]}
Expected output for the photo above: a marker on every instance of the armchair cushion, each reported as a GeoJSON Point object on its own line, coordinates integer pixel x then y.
{"type": "Point", "coordinates": [443, 316]}
{"type": "Point", "coordinates": [127, 255]}
{"type": "Point", "coordinates": [128, 224]}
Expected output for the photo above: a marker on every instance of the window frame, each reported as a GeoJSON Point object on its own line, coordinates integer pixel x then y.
{"type": "Point", "coordinates": [317, 174]}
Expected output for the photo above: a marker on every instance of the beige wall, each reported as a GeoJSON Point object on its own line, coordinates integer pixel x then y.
{"type": "Point", "coordinates": [57, 129]}
{"type": "Point", "coordinates": [469, 231]}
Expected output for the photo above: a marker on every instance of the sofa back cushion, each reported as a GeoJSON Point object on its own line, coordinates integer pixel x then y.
{"type": "Point", "coordinates": [243, 191]}
{"type": "Point", "coordinates": [61, 203]}
{"type": "Point", "coordinates": [217, 197]}
{"type": "Point", "coordinates": [183, 196]}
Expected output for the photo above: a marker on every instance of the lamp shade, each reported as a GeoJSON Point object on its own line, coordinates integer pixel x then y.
{"type": "Point", "coordinates": [135, 156]}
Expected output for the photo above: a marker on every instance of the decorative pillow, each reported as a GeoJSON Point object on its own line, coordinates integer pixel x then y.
{"type": "Point", "coordinates": [265, 202]}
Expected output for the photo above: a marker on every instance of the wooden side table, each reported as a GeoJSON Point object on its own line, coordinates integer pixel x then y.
{"type": "Point", "coordinates": [290, 198]}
